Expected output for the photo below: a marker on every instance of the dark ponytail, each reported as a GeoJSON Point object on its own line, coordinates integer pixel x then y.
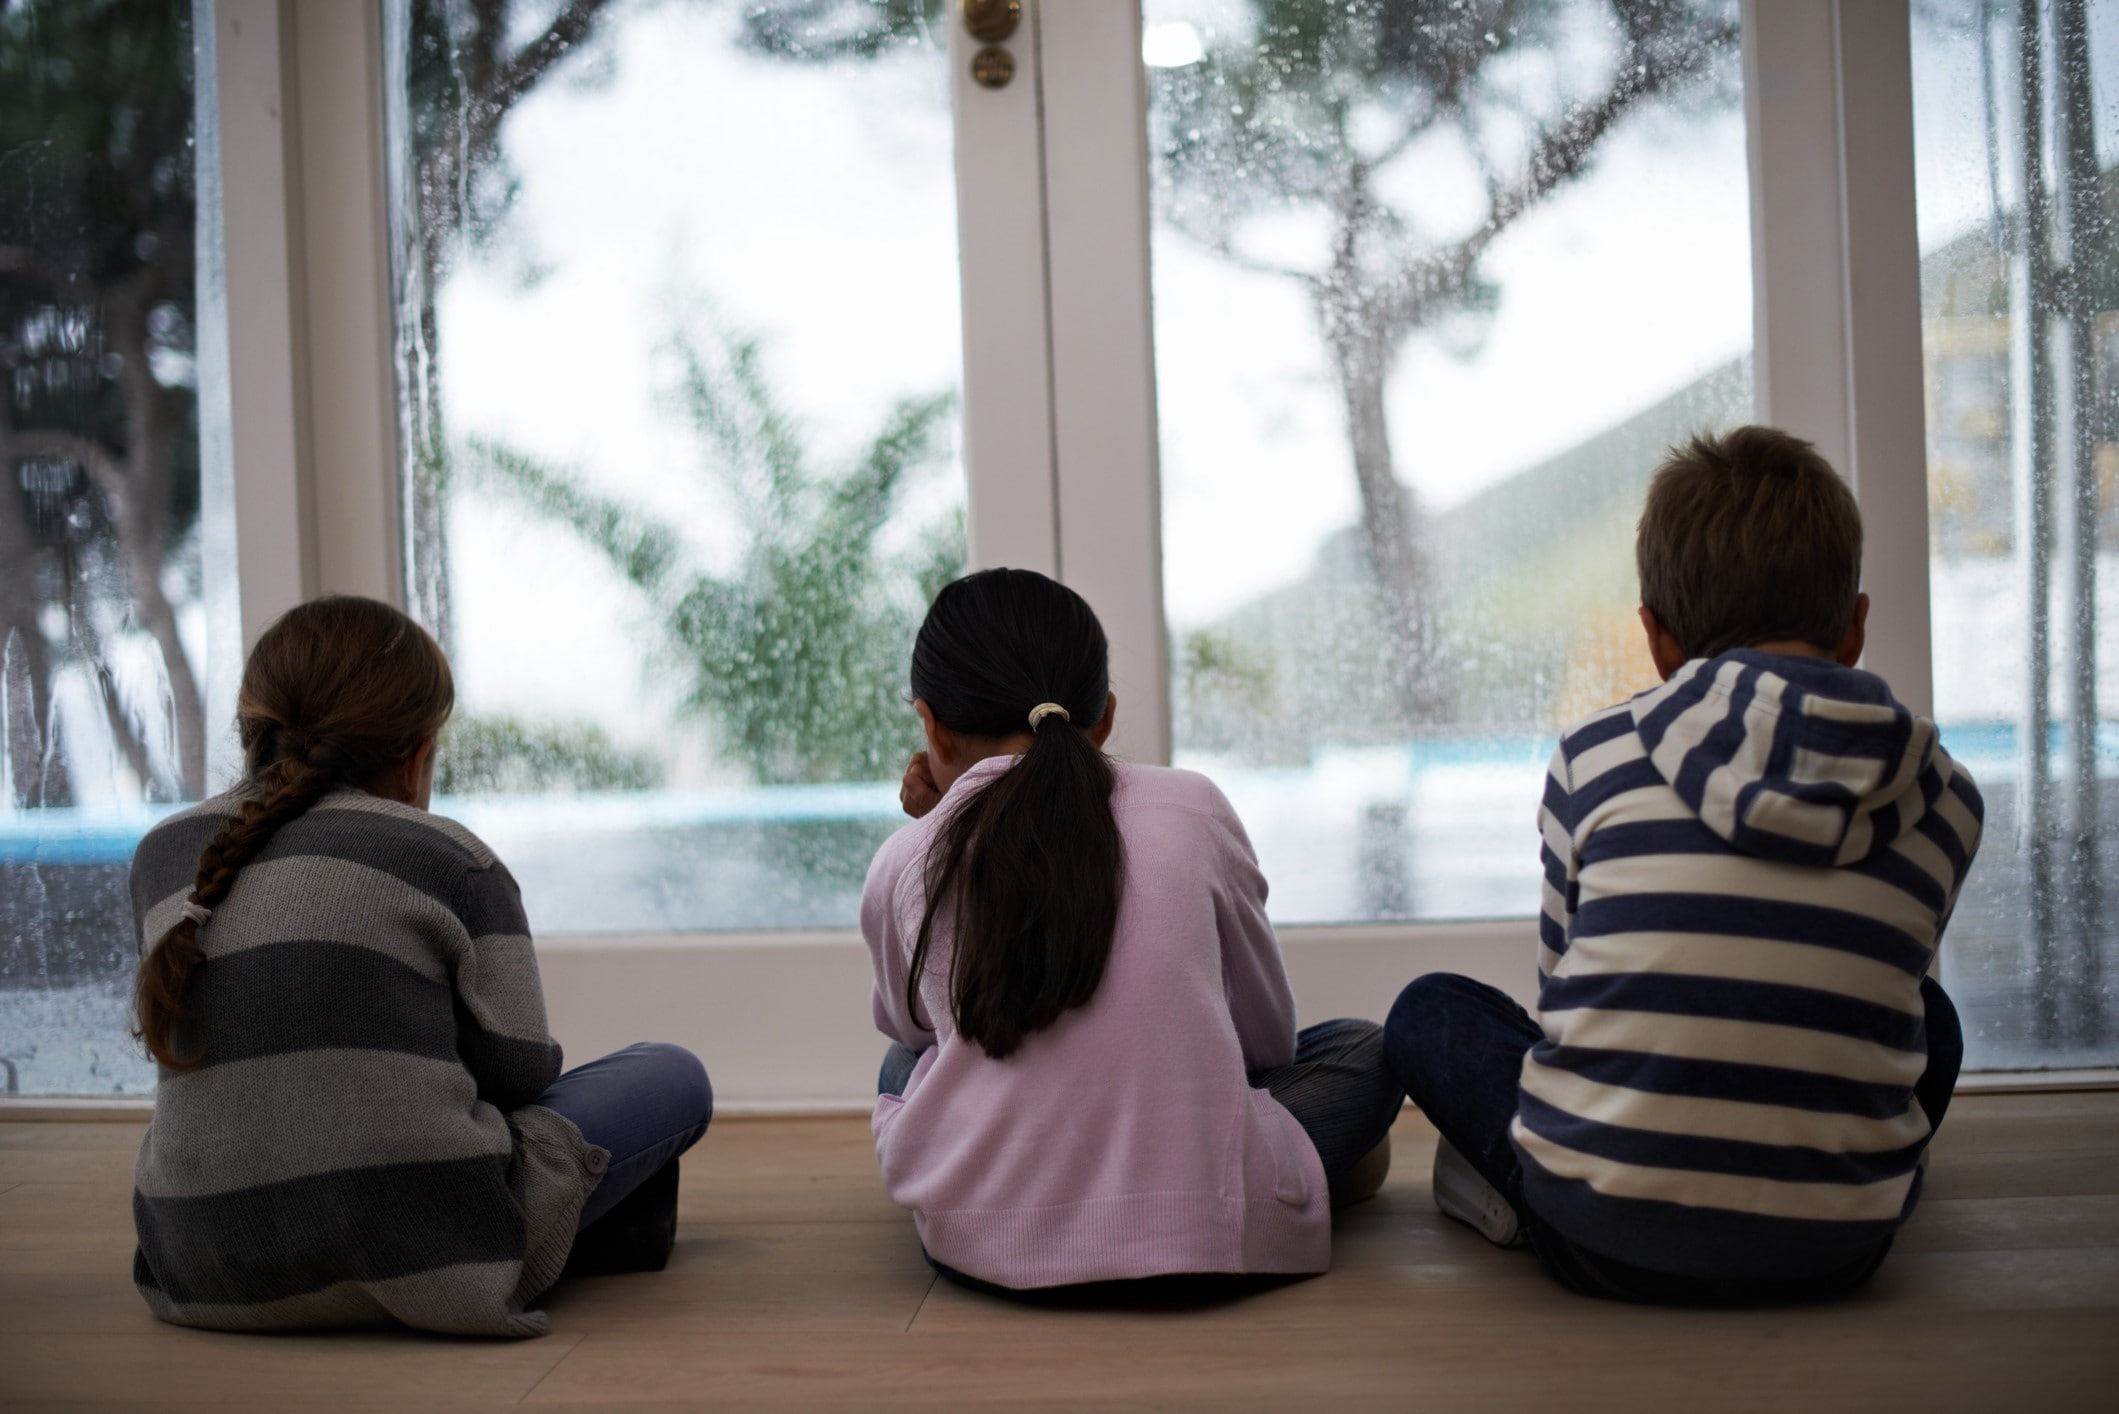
{"type": "Point", "coordinates": [1030, 865]}
{"type": "Point", "coordinates": [337, 692]}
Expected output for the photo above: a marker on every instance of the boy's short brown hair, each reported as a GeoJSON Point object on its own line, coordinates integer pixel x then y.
{"type": "Point", "coordinates": [1750, 537]}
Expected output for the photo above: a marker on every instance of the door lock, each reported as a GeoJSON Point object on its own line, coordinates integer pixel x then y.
{"type": "Point", "coordinates": [992, 67]}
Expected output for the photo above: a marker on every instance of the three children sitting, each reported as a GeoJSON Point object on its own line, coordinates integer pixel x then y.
{"type": "Point", "coordinates": [1094, 1071]}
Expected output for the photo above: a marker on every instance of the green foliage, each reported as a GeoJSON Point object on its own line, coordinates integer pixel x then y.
{"type": "Point", "coordinates": [1218, 665]}
{"type": "Point", "coordinates": [97, 219]}
{"type": "Point", "coordinates": [1225, 686]}
{"type": "Point", "coordinates": [506, 756]}
{"type": "Point", "coordinates": [818, 31]}
{"type": "Point", "coordinates": [96, 131]}
{"type": "Point", "coordinates": [99, 457]}
{"type": "Point", "coordinates": [797, 654]}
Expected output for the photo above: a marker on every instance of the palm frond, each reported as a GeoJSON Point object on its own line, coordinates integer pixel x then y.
{"type": "Point", "coordinates": [640, 546]}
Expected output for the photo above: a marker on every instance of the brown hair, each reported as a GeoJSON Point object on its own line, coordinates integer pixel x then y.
{"type": "Point", "coordinates": [336, 693]}
{"type": "Point", "coordinates": [1749, 537]}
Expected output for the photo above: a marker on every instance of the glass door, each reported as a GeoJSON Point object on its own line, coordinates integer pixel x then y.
{"type": "Point", "coordinates": [2016, 144]}
{"type": "Point", "coordinates": [680, 355]}
{"type": "Point", "coordinates": [1325, 347]}
{"type": "Point", "coordinates": [116, 523]}
{"type": "Point", "coordinates": [1434, 286]}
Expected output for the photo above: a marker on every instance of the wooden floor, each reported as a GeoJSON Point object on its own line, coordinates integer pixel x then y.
{"type": "Point", "coordinates": [796, 1283]}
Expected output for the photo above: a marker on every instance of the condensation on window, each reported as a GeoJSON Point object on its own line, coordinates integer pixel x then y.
{"type": "Point", "coordinates": [677, 348]}
{"type": "Point", "coordinates": [1435, 285]}
{"type": "Point", "coordinates": [113, 586]}
{"type": "Point", "coordinates": [2016, 133]}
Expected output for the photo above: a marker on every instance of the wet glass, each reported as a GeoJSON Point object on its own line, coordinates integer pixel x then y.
{"type": "Point", "coordinates": [113, 580]}
{"type": "Point", "coordinates": [2016, 133]}
{"type": "Point", "coordinates": [678, 351]}
{"type": "Point", "coordinates": [1435, 285]}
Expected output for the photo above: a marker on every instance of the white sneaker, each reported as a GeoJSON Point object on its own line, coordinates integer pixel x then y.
{"type": "Point", "coordinates": [1462, 1194]}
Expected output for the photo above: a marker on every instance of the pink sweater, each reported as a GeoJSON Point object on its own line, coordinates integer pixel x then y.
{"type": "Point", "coordinates": [1125, 1140]}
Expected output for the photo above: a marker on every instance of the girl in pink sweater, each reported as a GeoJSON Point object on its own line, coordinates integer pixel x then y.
{"type": "Point", "coordinates": [1096, 1073]}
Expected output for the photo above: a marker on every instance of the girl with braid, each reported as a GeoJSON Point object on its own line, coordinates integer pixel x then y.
{"type": "Point", "coordinates": [362, 1116]}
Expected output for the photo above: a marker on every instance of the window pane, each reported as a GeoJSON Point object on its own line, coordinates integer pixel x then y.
{"type": "Point", "coordinates": [2016, 133]}
{"type": "Point", "coordinates": [1434, 287]}
{"type": "Point", "coordinates": [678, 356]}
{"type": "Point", "coordinates": [106, 642]}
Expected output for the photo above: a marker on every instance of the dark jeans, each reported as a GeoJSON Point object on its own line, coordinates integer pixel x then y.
{"type": "Point", "coordinates": [1339, 1088]}
{"type": "Point", "coordinates": [1458, 1045]}
{"type": "Point", "coordinates": [645, 1104]}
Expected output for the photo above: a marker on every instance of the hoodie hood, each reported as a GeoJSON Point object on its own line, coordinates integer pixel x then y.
{"type": "Point", "coordinates": [1792, 759]}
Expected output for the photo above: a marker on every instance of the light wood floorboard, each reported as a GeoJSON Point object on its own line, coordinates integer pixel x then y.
{"type": "Point", "coordinates": [797, 1284]}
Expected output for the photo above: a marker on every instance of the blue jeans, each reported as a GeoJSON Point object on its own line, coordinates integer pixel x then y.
{"type": "Point", "coordinates": [1338, 1088]}
{"type": "Point", "coordinates": [645, 1104]}
{"type": "Point", "coordinates": [1458, 1045]}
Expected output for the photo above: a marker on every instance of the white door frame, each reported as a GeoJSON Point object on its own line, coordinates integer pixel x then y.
{"type": "Point", "coordinates": [1103, 352]}
{"type": "Point", "coordinates": [295, 92]}
{"type": "Point", "coordinates": [353, 442]}
{"type": "Point", "coordinates": [1003, 243]}
{"type": "Point", "coordinates": [251, 286]}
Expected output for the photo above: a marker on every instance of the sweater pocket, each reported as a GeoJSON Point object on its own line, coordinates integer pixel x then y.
{"type": "Point", "coordinates": [887, 1109]}
{"type": "Point", "coordinates": [1277, 1148]}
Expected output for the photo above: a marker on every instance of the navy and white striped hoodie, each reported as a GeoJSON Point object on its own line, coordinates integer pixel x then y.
{"type": "Point", "coordinates": [1747, 871]}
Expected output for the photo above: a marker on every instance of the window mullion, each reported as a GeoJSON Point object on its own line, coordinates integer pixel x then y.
{"type": "Point", "coordinates": [252, 414]}
{"type": "Point", "coordinates": [351, 454]}
{"type": "Point", "coordinates": [1103, 358]}
{"type": "Point", "coordinates": [1011, 513]}
{"type": "Point", "coordinates": [1836, 279]}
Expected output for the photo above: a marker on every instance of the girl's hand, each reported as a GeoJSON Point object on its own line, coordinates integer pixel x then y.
{"type": "Point", "coordinates": [918, 793]}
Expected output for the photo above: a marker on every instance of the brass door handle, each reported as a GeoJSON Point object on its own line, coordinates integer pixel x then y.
{"type": "Point", "coordinates": [991, 21]}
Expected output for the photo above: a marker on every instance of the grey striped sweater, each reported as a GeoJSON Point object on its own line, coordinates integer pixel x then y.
{"type": "Point", "coordinates": [362, 1142]}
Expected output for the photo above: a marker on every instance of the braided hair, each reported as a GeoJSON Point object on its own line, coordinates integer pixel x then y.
{"type": "Point", "coordinates": [338, 692]}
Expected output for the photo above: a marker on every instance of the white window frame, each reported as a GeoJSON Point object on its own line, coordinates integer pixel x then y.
{"type": "Point", "coordinates": [1828, 96]}
{"type": "Point", "coordinates": [1060, 425]}
{"type": "Point", "coordinates": [242, 58]}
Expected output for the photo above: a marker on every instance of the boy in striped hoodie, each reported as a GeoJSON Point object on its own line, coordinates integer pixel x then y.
{"type": "Point", "coordinates": [1739, 1056]}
